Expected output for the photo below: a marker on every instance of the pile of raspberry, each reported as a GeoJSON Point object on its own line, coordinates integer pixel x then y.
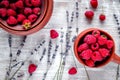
{"type": "Point", "coordinates": [95, 48]}
{"type": "Point", "coordinates": [22, 12]}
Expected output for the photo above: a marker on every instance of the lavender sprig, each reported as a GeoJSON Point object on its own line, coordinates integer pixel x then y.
{"type": "Point", "coordinates": [44, 51]}
{"type": "Point", "coordinates": [117, 74]}
{"type": "Point", "coordinates": [20, 48]}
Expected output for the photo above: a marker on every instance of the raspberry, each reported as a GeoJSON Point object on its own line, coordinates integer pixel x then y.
{"type": "Point", "coordinates": [96, 56]}
{"type": "Point", "coordinates": [3, 12]}
{"type": "Point", "coordinates": [27, 11]}
{"type": "Point", "coordinates": [90, 63]}
{"type": "Point", "coordinates": [32, 68]}
{"type": "Point", "coordinates": [12, 20]}
{"type": "Point", "coordinates": [26, 24]}
{"type": "Point", "coordinates": [53, 34]}
{"type": "Point", "coordinates": [102, 17]}
{"type": "Point", "coordinates": [4, 3]}
{"type": "Point", "coordinates": [82, 47]}
{"type": "Point", "coordinates": [104, 52]}
{"type": "Point", "coordinates": [32, 18]}
{"type": "Point", "coordinates": [96, 33]}
{"type": "Point", "coordinates": [11, 12]}
{"type": "Point", "coordinates": [20, 17]}
{"type": "Point", "coordinates": [19, 4]}
{"type": "Point", "coordinates": [28, 3]}
{"type": "Point", "coordinates": [94, 3]}
{"type": "Point", "coordinates": [89, 39]}
{"type": "Point", "coordinates": [12, 6]}
{"type": "Point", "coordinates": [36, 3]}
{"type": "Point", "coordinates": [89, 14]}
{"type": "Point", "coordinates": [102, 40]}
{"type": "Point", "coordinates": [72, 71]}
{"type": "Point", "coordinates": [86, 54]}
{"type": "Point", "coordinates": [95, 46]}
{"type": "Point", "coordinates": [36, 10]}
{"type": "Point", "coordinates": [109, 44]}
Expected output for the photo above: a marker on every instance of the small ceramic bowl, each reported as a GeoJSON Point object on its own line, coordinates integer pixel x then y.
{"type": "Point", "coordinates": [79, 40]}
{"type": "Point", "coordinates": [46, 12]}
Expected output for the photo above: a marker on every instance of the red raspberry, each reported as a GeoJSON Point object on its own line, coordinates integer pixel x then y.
{"type": "Point", "coordinates": [89, 39]}
{"type": "Point", "coordinates": [96, 56]}
{"type": "Point", "coordinates": [4, 3]}
{"type": "Point", "coordinates": [102, 17]}
{"type": "Point", "coordinates": [12, 20]}
{"type": "Point", "coordinates": [82, 47]}
{"type": "Point", "coordinates": [95, 46]}
{"type": "Point", "coordinates": [26, 24]}
{"type": "Point", "coordinates": [89, 14]}
{"type": "Point", "coordinates": [102, 40]}
{"type": "Point", "coordinates": [28, 3]}
{"type": "Point", "coordinates": [96, 33]}
{"type": "Point", "coordinates": [110, 44]}
{"type": "Point", "coordinates": [32, 18]}
{"type": "Point", "coordinates": [104, 52]}
{"type": "Point", "coordinates": [36, 10]}
{"type": "Point", "coordinates": [19, 4]}
{"type": "Point", "coordinates": [36, 3]}
{"type": "Point", "coordinates": [94, 3]}
{"type": "Point", "coordinates": [90, 63]}
{"type": "Point", "coordinates": [72, 71]}
{"type": "Point", "coordinates": [53, 34]}
{"type": "Point", "coordinates": [12, 6]}
{"type": "Point", "coordinates": [86, 54]}
{"type": "Point", "coordinates": [32, 68]}
{"type": "Point", "coordinates": [21, 17]}
{"type": "Point", "coordinates": [27, 11]}
{"type": "Point", "coordinates": [11, 12]}
{"type": "Point", "coordinates": [3, 12]}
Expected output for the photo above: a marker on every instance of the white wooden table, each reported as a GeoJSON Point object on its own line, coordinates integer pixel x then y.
{"type": "Point", "coordinates": [58, 21]}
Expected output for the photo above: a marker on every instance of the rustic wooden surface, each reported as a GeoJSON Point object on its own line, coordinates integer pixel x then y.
{"type": "Point", "coordinates": [58, 21]}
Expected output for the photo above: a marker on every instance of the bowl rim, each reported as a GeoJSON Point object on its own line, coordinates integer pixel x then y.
{"type": "Point", "coordinates": [47, 14]}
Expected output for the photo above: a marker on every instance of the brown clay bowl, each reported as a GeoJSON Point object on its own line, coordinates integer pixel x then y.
{"type": "Point", "coordinates": [79, 39]}
{"type": "Point", "coordinates": [46, 12]}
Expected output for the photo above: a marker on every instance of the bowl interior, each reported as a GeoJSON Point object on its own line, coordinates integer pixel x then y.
{"type": "Point", "coordinates": [79, 40]}
{"type": "Point", "coordinates": [18, 27]}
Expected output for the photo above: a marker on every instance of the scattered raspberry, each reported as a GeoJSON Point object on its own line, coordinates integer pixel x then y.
{"type": "Point", "coordinates": [11, 12]}
{"type": "Point", "coordinates": [36, 11]}
{"type": "Point", "coordinates": [96, 56]}
{"type": "Point", "coordinates": [72, 71]}
{"type": "Point", "coordinates": [28, 3]}
{"type": "Point", "coordinates": [32, 18]}
{"type": "Point", "coordinates": [13, 6]}
{"type": "Point", "coordinates": [27, 11]}
{"type": "Point", "coordinates": [53, 34]}
{"type": "Point", "coordinates": [36, 3]}
{"type": "Point", "coordinates": [82, 47]}
{"type": "Point", "coordinates": [32, 68]}
{"type": "Point", "coordinates": [95, 46]}
{"type": "Point", "coordinates": [21, 17]}
{"type": "Point", "coordinates": [19, 4]}
{"type": "Point", "coordinates": [26, 24]}
{"type": "Point", "coordinates": [94, 3]}
{"type": "Point", "coordinates": [104, 52]}
{"type": "Point", "coordinates": [86, 54]}
{"type": "Point", "coordinates": [102, 40]}
{"type": "Point", "coordinates": [102, 17]}
{"type": "Point", "coordinates": [89, 14]}
{"type": "Point", "coordinates": [110, 44]}
{"type": "Point", "coordinates": [89, 39]}
{"type": "Point", "coordinates": [96, 33]}
{"type": "Point", "coordinates": [90, 63]}
{"type": "Point", "coordinates": [12, 20]}
{"type": "Point", "coordinates": [4, 3]}
{"type": "Point", "coordinates": [3, 12]}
